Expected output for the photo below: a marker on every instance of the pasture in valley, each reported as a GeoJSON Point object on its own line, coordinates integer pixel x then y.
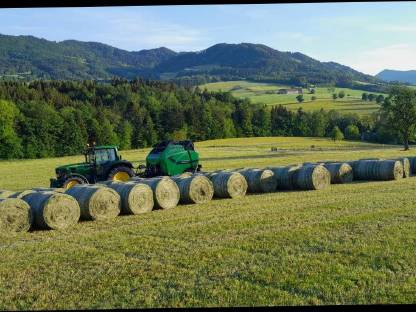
{"type": "Point", "coordinates": [347, 244]}
{"type": "Point", "coordinates": [261, 93]}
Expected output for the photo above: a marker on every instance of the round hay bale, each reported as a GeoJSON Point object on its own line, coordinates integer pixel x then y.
{"type": "Point", "coordinates": [22, 194]}
{"type": "Point", "coordinates": [412, 160]}
{"type": "Point", "coordinates": [389, 170]}
{"type": "Point", "coordinates": [48, 189]}
{"type": "Point", "coordinates": [311, 177]}
{"type": "Point", "coordinates": [340, 172]}
{"type": "Point", "coordinates": [330, 161]}
{"type": "Point", "coordinates": [354, 165]}
{"type": "Point", "coordinates": [369, 159]}
{"type": "Point", "coordinates": [284, 176]}
{"type": "Point", "coordinates": [406, 166]}
{"type": "Point", "coordinates": [96, 202]}
{"type": "Point", "coordinates": [212, 173]}
{"type": "Point", "coordinates": [107, 182]}
{"type": "Point", "coordinates": [6, 194]}
{"type": "Point", "coordinates": [136, 198]}
{"type": "Point", "coordinates": [15, 215]}
{"type": "Point", "coordinates": [194, 189]}
{"type": "Point", "coordinates": [166, 193]}
{"type": "Point", "coordinates": [312, 163]}
{"type": "Point", "coordinates": [259, 180]}
{"type": "Point", "coordinates": [53, 210]}
{"type": "Point", "coordinates": [185, 175]}
{"type": "Point", "coordinates": [228, 184]}
{"type": "Point", "coordinates": [365, 169]}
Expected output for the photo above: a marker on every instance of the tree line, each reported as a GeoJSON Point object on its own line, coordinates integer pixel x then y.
{"type": "Point", "coordinates": [56, 118]}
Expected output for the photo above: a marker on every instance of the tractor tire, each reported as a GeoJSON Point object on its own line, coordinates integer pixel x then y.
{"type": "Point", "coordinates": [121, 174]}
{"type": "Point", "coordinates": [71, 181]}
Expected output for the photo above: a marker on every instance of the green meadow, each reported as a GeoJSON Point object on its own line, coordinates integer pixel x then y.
{"type": "Point", "coordinates": [347, 244]}
{"type": "Point", "coordinates": [261, 93]}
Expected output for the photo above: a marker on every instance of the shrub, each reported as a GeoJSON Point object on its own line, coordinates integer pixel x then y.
{"type": "Point", "coordinates": [336, 134]}
{"type": "Point", "coordinates": [352, 132]}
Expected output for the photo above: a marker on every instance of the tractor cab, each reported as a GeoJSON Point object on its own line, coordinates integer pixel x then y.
{"type": "Point", "coordinates": [98, 155]}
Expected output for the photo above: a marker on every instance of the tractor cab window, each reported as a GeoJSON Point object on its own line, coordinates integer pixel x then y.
{"type": "Point", "coordinates": [103, 155]}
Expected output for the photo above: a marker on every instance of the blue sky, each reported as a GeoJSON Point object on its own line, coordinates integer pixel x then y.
{"type": "Point", "coordinates": [368, 37]}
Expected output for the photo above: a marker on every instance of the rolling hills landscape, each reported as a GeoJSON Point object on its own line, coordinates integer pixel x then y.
{"type": "Point", "coordinates": [207, 170]}
{"type": "Point", "coordinates": [28, 57]}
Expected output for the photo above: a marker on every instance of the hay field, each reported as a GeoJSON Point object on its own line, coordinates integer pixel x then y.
{"type": "Point", "coordinates": [258, 93]}
{"type": "Point", "coordinates": [347, 244]}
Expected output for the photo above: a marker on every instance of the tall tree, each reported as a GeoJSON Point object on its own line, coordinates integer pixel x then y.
{"type": "Point", "coordinates": [318, 123]}
{"type": "Point", "coordinates": [282, 121]}
{"type": "Point", "coordinates": [399, 109]}
{"type": "Point", "coordinates": [261, 122]}
{"type": "Point", "coordinates": [337, 134]}
{"type": "Point", "coordinates": [125, 134]}
{"type": "Point", "coordinates": [10, 143]}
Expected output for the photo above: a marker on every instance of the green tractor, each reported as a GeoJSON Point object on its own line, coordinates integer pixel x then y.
{"type": "Point", "coordinates": [103, 163]}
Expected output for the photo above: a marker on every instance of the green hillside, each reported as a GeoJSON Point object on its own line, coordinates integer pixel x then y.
{"type": "Point", "coordinates": [348, 244]}
{"type": "Point", "coordinates": [28, 58]}
{"type": "Point", "coordinates": [265, 93]}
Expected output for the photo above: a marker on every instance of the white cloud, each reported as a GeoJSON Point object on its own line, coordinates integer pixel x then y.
{"type": "Point", "coordinates": [397, 56]}
{"type": "Point", "coordinates": [145, 31]}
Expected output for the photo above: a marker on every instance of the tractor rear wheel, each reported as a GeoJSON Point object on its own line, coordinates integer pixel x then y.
{"type": "Point", "coordinates": [121, 174]}
{"type": "Point", "coordinates": [72, 181]}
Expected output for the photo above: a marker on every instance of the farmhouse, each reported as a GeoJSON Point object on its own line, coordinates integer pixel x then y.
{"type": "Point", "coordinates": [290, 91]}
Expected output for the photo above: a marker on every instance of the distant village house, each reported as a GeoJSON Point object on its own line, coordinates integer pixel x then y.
{"type": "Point", "coordinates": [290, 91]}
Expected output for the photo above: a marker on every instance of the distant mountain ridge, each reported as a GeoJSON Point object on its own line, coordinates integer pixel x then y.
{"type": "Point", "coordinates": [29, 57]}
{"type": "Point", "coordinates": [405, 76]}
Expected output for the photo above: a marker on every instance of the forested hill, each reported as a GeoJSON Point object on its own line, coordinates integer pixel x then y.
{"type": "Point", "coordinates": [405, 76]}
{"type": "Point", "coordinates": [27, 57]}
{"type": "Point", "coordinates": [30, 57]}
{"type": "Point", "coordinates": [56, 118]}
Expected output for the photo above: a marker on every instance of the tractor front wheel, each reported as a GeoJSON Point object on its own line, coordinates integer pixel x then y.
{"type": "Point", "coordinates": [72, 181]}
{"type": "Point", "coordinates": [121, 174]}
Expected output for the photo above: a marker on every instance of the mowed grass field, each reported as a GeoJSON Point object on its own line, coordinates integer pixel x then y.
{"type": "Point", "coordinates": [347, 244]}
{"type": "Point", "coordinates": [257, 93]}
